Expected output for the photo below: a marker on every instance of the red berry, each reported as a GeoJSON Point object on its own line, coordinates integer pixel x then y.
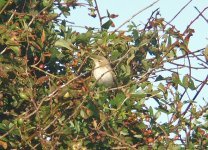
{"type": "Point", "coordinates": [36, 59]}
{"type": "Point", "coordinates": [149, 131]}
{"type": "Point", "coordinates": [41, 66]}
{"type": "Point", "coordinates": [150, 140]}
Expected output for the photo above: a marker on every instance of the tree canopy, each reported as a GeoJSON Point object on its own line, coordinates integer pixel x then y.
{"type": "Point", "coordinates": [50, 100]}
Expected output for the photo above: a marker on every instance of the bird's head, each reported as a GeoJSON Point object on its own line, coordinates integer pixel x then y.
{"type": "Point", "coordinates": [99, 60]}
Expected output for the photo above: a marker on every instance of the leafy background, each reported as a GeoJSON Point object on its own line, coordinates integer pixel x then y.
{"type": "Point", "coordinates": [49, 100]}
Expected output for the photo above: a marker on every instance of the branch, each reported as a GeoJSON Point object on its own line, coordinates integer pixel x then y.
{"type": "Point", "coordinates": [52, 94]}
{"type": "Point", "coordinates": [97, 9]}
{"type": "Point", "coordinates": [203, 83]}
{"type": "Point", "coordinates": [118, 139]}
{"type": "Point", "coordinates": [195, 19]}
{"type": "Point", "coordinates": [179, 12]}
{"type": "Point", "coordinates": [5, 6]}
{"type": "Point", "coordinates": [135, 15]}
{"type": "Point", "coordinates": [201, 14]}
{"type": "Point", "coordinates": [150, 18]}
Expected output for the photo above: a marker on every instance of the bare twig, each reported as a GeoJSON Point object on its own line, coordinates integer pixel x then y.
{"type": "Point", "coordinates": [195, 19]}
{"type": "Point", "coordinates": [47, 73]}
{"type": "Point", "coordinates": [201, 14]}
{"type": "Point", "coordinates": [185, 66]}
{"type": "Point", "coordinates": [180, 11]}
{"type": "Point", "coordinates": [135, 15]}
{"type": "Point", "coordinates": [150, 18]}
{"type": "Point", "coordinates": [5, 6]}
{"type": "Point", "coordinates": [202, 85]}
{"type": "Point", "coordinates": [97, 9]}
{"type": "Point", "coordinates": [4, 50]}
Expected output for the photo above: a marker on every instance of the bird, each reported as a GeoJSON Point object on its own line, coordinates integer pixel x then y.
{"type": "Point", "coordinates": [103, 72]}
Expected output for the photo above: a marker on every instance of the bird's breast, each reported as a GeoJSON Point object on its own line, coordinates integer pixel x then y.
{"type": "Point", "coordinates": [104, 76]}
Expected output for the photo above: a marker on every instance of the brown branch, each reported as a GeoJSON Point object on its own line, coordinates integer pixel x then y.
{"type": "Point", "coordinates": [140, 11]}
{"type": "Point", "coordinates": [187, 66]}
{"type": "Point", "coordinates": [5, 6]}
{"type": "Point", "coordinates": [100, 18]}
{"type": "Point", "coordinates": [200, 89]}
{"type": "Point", "coordinates": [201, 14]}
{"type": "Point", "coordinates": [7, 133]}
{"type": "Point", "coordinates": [180, 11]}
{"type": "Point", "coordinates": [195, 19]}
{"type": "Point", "coordinates": [52, 94]}
{"type": "Point", "coordinates": [118, 139]}
{"type": "Point", "coordinates": [150, 18]}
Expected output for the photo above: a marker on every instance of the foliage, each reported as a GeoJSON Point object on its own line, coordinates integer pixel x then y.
{"type": "Point", "coordinates": [48, 99]}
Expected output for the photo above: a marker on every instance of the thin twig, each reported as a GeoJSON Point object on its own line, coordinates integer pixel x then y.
{"type": "Point", "coordinates": [195, 19]}
{"type": "Point", "coordinates": [7, 133]}
{"type": "Point", "coordinates": [150, 18]}
{"type": "Point", "coordinates": [5, 6]}
{"type": "Point", "coordinates": [140, 11]}
{"type": "Point", "coordinates": [118, 139]}
{"type": "Point", "coordinates": [11, 17]}
{"type": "Point", "coordinates": [185, 66]}
{"type": "Point", "coordinates": [203, 83]}
{"type": "Point", "coordinates": [97, 9]}
{"type": "Point", "coordinates": [47, 73]}
{"type": "Point", "coordinates": [52, 94]}
{"type": "Point", "coordinates": [34, 16]}
{"type": "Point", "coordinates": [201, 14]}
{"type": "Point", "coordinates": [3, 50]}
{"type": "Point", "coordinates": [179, 11]}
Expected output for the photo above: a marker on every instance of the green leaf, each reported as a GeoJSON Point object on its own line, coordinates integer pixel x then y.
{"type": "Point", "coordinates": [10, 125]}
{"type": "Point", "coordinates": [157, 115]}
{"type": "Point", "coordinates": [169, 41]}
{"type": "Point", "coordinates": [115, 54]}
{"type": "Point", "coordinates": [64, 43]}
{"type": "Point", "coordinates": [126, 69]}
{"type": "Point", "coordinates": [151, 111]}
{"type": "Point", "coordinates": [2, 3]}
{"type": "Point", "coordinates": [15, 49]}
{"type": "Point", "coordinates": [77, 126]}
{"type": "Point", "coordinates": [84, 38]}
{"type": "Point", "coordinates": [118, 99]}
{"type": "Point", "coordinates": [159, 78]}
{"type": "Point", "coordinates": [175, 78]}
{"type": "Point", "coordinates": [138, 94]}
{"type": "Point", "coordinates": [162, 109]}
{"type": "Point", "coordinates": [205, 52]}
{"type": "Point", "coordinates": [132, 56]}
{"type": "Point", "coordinates": [146, 64]}
{"type": "Point", "coordinates": [142, 126]}
{"type": "Point", "coordinates": [191, 84]}
{"type": "Point", "coordinates": [47, 3]}
{"type": "Point", "coordinates": [135, 34]}
{"type": "Point", "coordinates": [162, 87]}
{"type": "Point", "coordinates": [124, 132]}
{"type": "Point", "coordinates": [56, 54]}
{"type": "Point", "coordinates": [83, 114]}
{"type": "Point", "coordinates": [23, 96]}
{"type": "Point", "coordinates": [108, 13]}
{"type": "Point", "coordinates": [107, 24]}
{"type": "Point", "coordinates": [185, 82]}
